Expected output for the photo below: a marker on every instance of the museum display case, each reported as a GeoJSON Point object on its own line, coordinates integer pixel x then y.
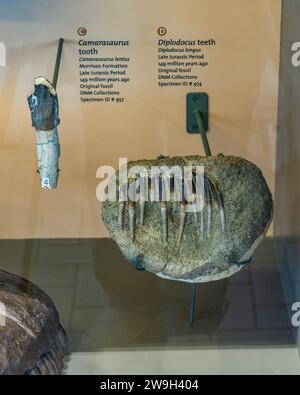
{"type": "Point", "coordinates": [149, 201]}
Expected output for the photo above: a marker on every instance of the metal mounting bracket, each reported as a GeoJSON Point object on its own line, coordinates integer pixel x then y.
{"type": "Point", "coordinates": [196, 102]}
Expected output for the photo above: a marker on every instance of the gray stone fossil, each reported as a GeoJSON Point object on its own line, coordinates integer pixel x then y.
{"type": "Point", "coordinates": [32, 340]}
{"type": "Point", "coordinates": [43, 104]}
{"type": "Point", "coordinates": [213, 243]}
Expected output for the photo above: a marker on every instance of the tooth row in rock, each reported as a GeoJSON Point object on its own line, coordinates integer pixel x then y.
{"type": "Point", "coordinates": [211, 244]}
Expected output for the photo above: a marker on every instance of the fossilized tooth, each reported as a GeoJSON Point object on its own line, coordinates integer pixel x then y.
{"type": "Point", "coordinates": [150, 187]}
{"type": "Point", "coordinates": [43, 104]}
{"type": "Point", "coordinates": [161, 188]}
{"type": "Point", "coordinates": [222, 210]}
{"type": "Point", "coordinates": [196, 214]}
{"type": "Point", "coordinates": [219, 199]}
{"type": "Point", "coordinates": [131, 213]}
{"type": "Point", "coordinates": [208, 198]}
{"type": "Point", "coordinates": [32, 339]}
{"type": "Point", "coordinates": [194, 190]}
{"type": "Point", "coordinates": [142, 203]}
{"type": "Point", "coordinates": [121, 214]}
{"type": "Point", "coordinates": [163, 211]}
{"type": "Point", "coordinates": [216, 256]}
{"type": "Point", "coordinates": [182, 221]}
{"type": "Point", "coordinates": [202, 223]}
{"type": "Point", "coordinates": [164, 221]}
{"type": "Point", "coordinates": [196, 221]}
{"type": "Point", "coordinates": [188, 191]}
{"type": "Point", "coordinates": [122, 198]}
{"type": "Point", "coordinates": [142, 212]}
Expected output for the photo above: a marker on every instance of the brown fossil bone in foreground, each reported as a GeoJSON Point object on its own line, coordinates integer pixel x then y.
{"type": "Point", "coordinates": [32, 339]}
{"type": "Point", "coordinates": [206, 245]}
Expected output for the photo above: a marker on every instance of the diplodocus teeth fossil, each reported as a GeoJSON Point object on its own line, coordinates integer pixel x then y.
{"type": "Point", "coordinates": [188, 233]}
{"type": "Point", "coordinates": [211, 192]}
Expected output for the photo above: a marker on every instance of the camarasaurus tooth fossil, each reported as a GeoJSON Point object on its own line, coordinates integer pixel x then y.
{"type": "Point", "coordinates": [43, 104]}
{"type": "Point", "coordinates": [194, 242]}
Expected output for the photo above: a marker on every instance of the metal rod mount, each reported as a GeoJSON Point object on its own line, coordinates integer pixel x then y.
{"type": "Point", "coordinates": [202, 131]}
{"type": "Point", "coordinates": [193, 304]}
{"type": "Point", "coordinates": [57, 62]}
